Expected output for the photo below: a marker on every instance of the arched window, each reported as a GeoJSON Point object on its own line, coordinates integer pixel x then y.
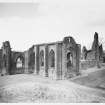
{"type": "Point", "coordinates": [69, 59]}
{"type": "Point", "coordinates": [51, 59]}
{"type": "Point", "coordinates": [41, 55]}
{"type": "Point", "coordinates": [19, 63]}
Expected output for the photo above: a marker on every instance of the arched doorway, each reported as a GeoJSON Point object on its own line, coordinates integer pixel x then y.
{"type": "Point", "coordinates": [19, 64]}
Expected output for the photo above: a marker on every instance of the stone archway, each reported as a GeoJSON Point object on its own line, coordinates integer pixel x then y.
{"type": "Point", "coordinates": [70, 57]}
{"type": "Point", "coordinates": [19, 64]}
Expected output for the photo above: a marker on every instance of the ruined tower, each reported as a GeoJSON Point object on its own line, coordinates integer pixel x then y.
{"type": "Point", "coordinates": [95, 46]}
{"type": "Point", "coordinates": [6, 58]}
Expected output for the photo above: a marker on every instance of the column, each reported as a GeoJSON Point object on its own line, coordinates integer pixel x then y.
{"type": "Point", "coordinates": [26, 62]}
{"type": "Point", "coordinates": [64, 61]}
{"type": "Point", "coordinates": [78, 55]}
{"type": "Point", "coordinates": [36, 59]}
{"type": "Point", "coordinates": [58, 65]}
{"type": "Point", "coordinates": [46, 60]}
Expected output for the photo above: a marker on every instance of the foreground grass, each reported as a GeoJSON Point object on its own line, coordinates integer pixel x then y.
{"type": "Point", "coordinates": [31, 88]}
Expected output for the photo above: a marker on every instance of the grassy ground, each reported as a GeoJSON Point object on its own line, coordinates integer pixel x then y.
{"type": "Point", "coordinates": [92, 78]}
{"type": "Point", "coordinates": [32, 88]}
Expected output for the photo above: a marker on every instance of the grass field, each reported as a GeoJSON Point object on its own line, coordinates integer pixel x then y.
{"type": "Point", "coordinates": [31, 88]}
{"type": "Point", "coordinates": [95, 79]}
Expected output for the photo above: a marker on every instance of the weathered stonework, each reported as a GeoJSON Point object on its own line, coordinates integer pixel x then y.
{"type": "Point", "coordinates": [52, 62]}
{"type": "Point", "coordinates": [26, 62]}
{"type": "Point", "coordinates": [95, 55]}
{"type": "Point", "coordinates": [57, 60]}
{"type": "Point", "coordinates": [6, 58]}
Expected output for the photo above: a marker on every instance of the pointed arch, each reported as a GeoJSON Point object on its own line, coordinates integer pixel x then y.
{"type": "Point", "coordinates": [52, 58]}
{"type": "Point", "coordinates": [19, 62]}
{"type": "Point", "coordinates": [69, 59]}
{"type": "Point", "coordinates": [41, 59]}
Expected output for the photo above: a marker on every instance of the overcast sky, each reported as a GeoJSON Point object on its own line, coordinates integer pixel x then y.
{"type": "Point", "coordinates": [28, 22]}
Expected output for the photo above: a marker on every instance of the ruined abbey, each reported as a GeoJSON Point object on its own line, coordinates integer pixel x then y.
{"type": "Point", "coordinates": [57, 60]}
{"type": "Point", "coordinates": [96, 51]}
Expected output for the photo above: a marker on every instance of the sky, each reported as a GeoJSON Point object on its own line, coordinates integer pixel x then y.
{"type": "Point", "coordinates": [28, 22]}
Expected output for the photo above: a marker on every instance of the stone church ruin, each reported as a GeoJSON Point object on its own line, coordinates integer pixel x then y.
{"type": "Point", "coordinates": [95, 56]}
{"type": "Point", "coordinates": [57, 60]}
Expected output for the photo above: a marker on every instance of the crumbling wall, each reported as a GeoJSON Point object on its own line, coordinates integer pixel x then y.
{"type": "Point", "coordinates": [85, 64]}
{"type": "Point", "coordinates": [14, 57]}
{"type": "Point", "coordinates": [31, 60]}
{"type": "Point", "coordinates": [70, 57]}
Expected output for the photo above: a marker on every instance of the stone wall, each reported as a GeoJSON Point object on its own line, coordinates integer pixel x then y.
{"type": "Point", "coordinates": [96, 51]}
{"type": "Point", "coordinates": [26, 62]}
{"type": "Point", "coordinates": [45, 69]}
{"type": "Point", "coordinates": [85, 64]}
{"type": "Point", "coordinates": [59, 60]}
{"type": "Point", "coordinates": [70, 57]}
{"type": "Point", "coordinates": [48, 60]}
{"type": "Point", "coordinates": [6, 58]}
{"type": "Point", "coordinates": [0, 61]}
{"type": "Point", "coordinates": [31, 60]}
{"type": "Point", "coordinates": [14, 62]}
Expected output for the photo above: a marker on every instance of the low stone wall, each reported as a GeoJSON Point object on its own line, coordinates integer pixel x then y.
{"type": "Point", "coordinates": [87, 64]}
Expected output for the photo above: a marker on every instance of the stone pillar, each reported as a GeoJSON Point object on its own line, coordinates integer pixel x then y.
{"type": "Point", "coordinates": [35, 71]}
{"type": "Point", "coordinates": [58, 66]}
{"type": "Point", "coordinates": [56, 63]}
{"type": "Point", "coordinates": [26, 62]}
{"type": "Point", "coordinates": [46, 60]}
{"type": "Point", "coordinates": [64, 63]}
{"type": "Point", "coordinates": [36, 59]}
{"type": "Point", "coordinates": [78, 55]}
